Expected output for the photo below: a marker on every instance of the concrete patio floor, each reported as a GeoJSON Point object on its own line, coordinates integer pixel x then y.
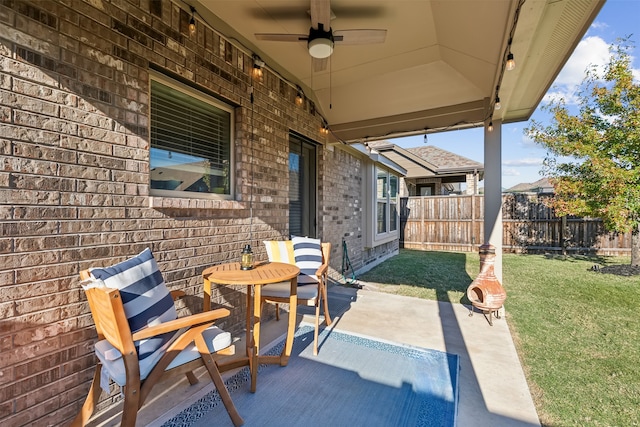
{"type": "Point", "coordinates": [492, 391]}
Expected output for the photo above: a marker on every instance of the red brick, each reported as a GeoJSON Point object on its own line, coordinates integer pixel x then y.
{"type": "Point", "coordinates": [31, 244]}
{"type": "Point", "coordinates": [41, 332]}
{"type": "Point", "coordinates": [54, 300]}
{"type": "Point", "coordinates": [44, 363]}
{"type": "Point", "coordinates": [45, 212]}
{"type": "Point", "coordinates": [28, 352]}
{"type": "Point", "coordinates": [6, 375]}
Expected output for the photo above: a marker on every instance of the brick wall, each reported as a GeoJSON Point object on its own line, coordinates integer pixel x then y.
{"type": "Point", "coordinates": [74, 192]}
{"type": "Point", "coordinates": [341, 212]}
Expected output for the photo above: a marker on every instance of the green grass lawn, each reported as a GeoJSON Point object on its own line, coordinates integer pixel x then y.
{"type": "Point", "coordinates": [577, 331]}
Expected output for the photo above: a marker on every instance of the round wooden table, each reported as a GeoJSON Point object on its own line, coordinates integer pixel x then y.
{"type": "Point", "coordinates": [261, 274]}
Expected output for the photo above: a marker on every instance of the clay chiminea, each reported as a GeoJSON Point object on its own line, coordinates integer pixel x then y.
{"type": "Point", "coordinates": [486, 293]}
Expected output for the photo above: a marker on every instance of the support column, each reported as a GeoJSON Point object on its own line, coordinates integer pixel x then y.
{"type": "Point", "coordinates": [493, 192]}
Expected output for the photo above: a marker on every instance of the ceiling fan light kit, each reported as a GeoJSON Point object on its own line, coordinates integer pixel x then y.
{"type": "Point", "coordinates": [321, 38]}
{"type": "Point", "coordinates": [320, 48]}
{"type": "Point", "coordinates": [320, 42]}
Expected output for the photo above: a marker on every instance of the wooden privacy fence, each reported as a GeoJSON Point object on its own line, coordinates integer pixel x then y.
{"type": "Point", "coordinates": [456, 223]}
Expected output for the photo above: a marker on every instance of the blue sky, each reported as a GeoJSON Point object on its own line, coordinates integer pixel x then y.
{"type": "Point", "coordinates": [521, 157]}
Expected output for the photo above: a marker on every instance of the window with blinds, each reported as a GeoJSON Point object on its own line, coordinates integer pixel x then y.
{"type": "Point", "coordinates": [191, 136]}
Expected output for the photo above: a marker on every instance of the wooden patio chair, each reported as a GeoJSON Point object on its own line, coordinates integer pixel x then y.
{"type": "Point", "coordinates": [312, 257]}
{"type": "Point", "coordinates": [141, 339]}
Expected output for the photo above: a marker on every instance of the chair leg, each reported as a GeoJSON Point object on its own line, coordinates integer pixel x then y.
{"type": "Point", "coordinates": [192, 378]}
{"type": "Point", "coordinates": [131, 405]}
{"type": "Point", "coordinates": [325, 302]}
{"type": "Point", "coordinates": [317, 326]}
{"type": "Point", "coordinates": [277, 311]}
{"type": "Point", "coordinates": [214, 373]}
{"type": "Point", "coordinates": [90, 402]}
{"type": "Point", "coordinates": [132, 391]}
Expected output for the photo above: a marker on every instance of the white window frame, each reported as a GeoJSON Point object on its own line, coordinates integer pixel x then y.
{"type": "Point", "coordinates": [201, 96]}
{"type": "Point", "coordinates": [372, 167]}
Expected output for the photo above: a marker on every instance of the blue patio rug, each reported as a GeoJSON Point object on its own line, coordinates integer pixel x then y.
{"type": "Point", "coordinates": [354, 381]}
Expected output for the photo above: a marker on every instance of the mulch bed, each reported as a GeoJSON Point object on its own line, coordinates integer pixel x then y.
{"type": "Point", "coordinates": [619, 270]}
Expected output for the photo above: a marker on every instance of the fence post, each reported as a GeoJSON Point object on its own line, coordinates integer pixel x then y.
{"type": "Point", "coordinates": [563, 240]}
{"type": "Point", "coordinates": [473, 221]}
{"type": "Point", "coordinates": [422, 227]}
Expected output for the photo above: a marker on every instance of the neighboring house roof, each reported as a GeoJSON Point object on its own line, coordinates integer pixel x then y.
{"type": "Point", "coordinates": [428, 161]}
{"type": "Point", "coordinates": [542, 185]}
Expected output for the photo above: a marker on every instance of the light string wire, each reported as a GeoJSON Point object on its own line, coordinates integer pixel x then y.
{"type": "Point", "coordinates": [507, 50]}
{"type": "Point", "coordinates": [251, 138]}
{"type": "Point", "coordinates": [466, 124]}
{"type": "Point", "coordinates": [240, 45]}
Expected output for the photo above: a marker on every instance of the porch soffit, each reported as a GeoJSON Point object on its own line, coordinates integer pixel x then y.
{"type": "Point", "coordinates": [437, 70]}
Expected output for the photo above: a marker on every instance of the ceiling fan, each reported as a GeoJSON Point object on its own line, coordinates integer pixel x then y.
{"type": "Point", "coordinates": [321, 38]}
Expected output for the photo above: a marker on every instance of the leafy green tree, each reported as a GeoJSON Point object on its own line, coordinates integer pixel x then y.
{"type": "Point", "coordinates": [593, 157]}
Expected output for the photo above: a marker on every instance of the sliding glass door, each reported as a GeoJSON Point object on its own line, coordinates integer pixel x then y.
{"type": "Point", "coordinates": [302, 187]}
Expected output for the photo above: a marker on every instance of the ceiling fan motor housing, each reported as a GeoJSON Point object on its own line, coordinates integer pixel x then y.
{"type": "Point", "coordinates": [320, 42]}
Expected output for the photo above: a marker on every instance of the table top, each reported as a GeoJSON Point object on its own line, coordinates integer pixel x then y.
{"type": "Point", "coordinates": [261, 274]}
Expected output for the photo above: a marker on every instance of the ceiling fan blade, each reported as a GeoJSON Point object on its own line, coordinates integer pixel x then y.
{"type": "Point", "coordinates": [359, 36]}
{"type": "Point", "coordinates": [319, 64]}
{"type": "Point", "coordinates": [321, 14]}
{"type": "Point", "coordinates": [281, 37]}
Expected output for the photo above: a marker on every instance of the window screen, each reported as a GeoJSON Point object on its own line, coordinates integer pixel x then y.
{"type": "Point", "coordinates": [386, 202]}
{"type": "Point", "coordinates": [190, 142]}
{"type": "Point", "coordinates": [393, 203]}
{"type": "Point", "coordinates": [382, 193]}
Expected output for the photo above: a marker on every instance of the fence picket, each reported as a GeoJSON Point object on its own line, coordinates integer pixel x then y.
{"type": "Point", "coordinates": [455, 223]}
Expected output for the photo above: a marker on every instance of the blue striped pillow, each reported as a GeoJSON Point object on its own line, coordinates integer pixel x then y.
{"type": "Point", "coordinates": [146, 299]}
{"type": "Point", "coordinates": [308, 255]}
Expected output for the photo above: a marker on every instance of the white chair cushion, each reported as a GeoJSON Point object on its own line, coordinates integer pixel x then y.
{"type": "Point", "coordinates": [283, 290]}
{"type": "Point", "coordinates": [111, 359]}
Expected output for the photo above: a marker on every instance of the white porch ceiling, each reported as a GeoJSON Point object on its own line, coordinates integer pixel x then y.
{"type": "Point", "coordinates": [437, 70]}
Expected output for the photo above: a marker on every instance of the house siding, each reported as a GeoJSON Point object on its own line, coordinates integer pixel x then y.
{"type": "Point", "coordinates": [74, 181]}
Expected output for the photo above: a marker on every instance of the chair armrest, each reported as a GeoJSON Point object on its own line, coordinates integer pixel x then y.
{"type": "Point", "coordinates": [182, 322]}
{"type": "Point", "coordinates": [322, 270]}
{"type": "Point", "coordinates": [177, 294]}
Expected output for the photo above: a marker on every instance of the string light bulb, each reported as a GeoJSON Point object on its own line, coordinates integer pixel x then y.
{"type": "Point", "coordinates": [257, 72]}
{"type": "Point", "coordinates": [490, 128]}
{"type": "Point", "coordinates": [299, 96]}
{"type": "Point", "coordinates": [192, 21]}
{"type": "Point", "coordinates": [511, 63]}
{"type": "Point", "coordinates": [324, 130]}
{"type": "Point", "coordinates": [497, 105]}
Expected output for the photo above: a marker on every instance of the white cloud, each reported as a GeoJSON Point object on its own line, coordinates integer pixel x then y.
{"type": "Point", "coordinates": [591, 51]}
{"type": "Point", "coordinates": [562, 93]}
{"type": "Point", "coordinates": [526, 162]}
{"type": "Point", "coordinates": [510, 172]}
{"type": "Point", "coordinates": [527, 141]}
{"type": "Point", "coordinates": [599, 25]}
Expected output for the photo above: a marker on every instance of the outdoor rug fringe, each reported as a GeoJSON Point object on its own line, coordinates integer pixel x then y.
{"type": "Point", "coordinates": [354, 381]}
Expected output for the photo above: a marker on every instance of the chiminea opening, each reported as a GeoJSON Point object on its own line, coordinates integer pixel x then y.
{"type": "Point", "coordinates": [475, 294]}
